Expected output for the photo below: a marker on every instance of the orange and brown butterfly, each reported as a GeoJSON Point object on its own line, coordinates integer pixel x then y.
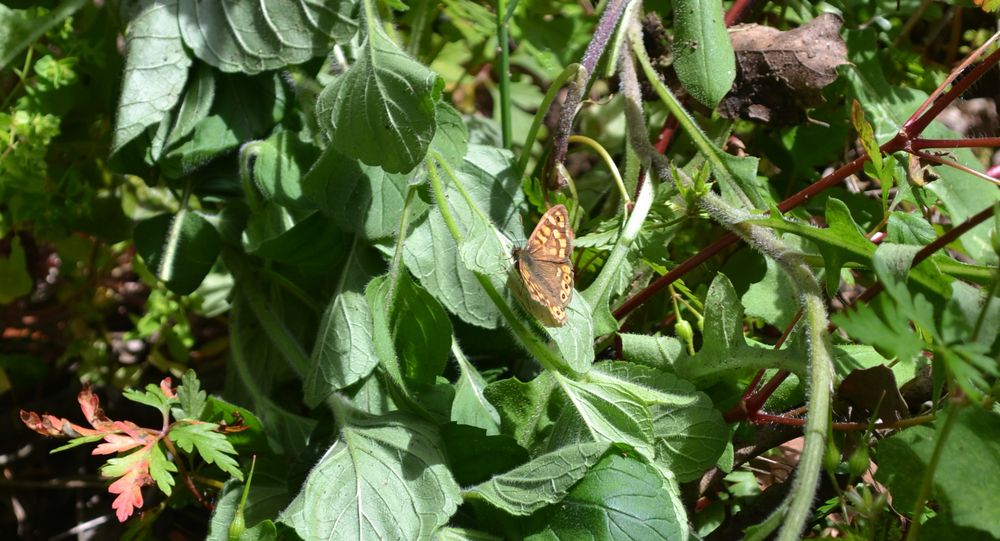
{"type": "Point", "coordinates": [545, 269]}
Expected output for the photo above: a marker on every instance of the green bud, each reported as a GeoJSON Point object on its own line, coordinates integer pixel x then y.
{"type": "Point", "coordinates": [684, 331]}
{"type": "Point", "coordinates": [858, 463]}
{"type": "Point", "coordinates": [237, 526]}
{"type": "Point", "coordinates": [831, 458]}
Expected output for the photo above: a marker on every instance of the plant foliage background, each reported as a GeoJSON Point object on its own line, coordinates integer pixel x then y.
{"type": "Point", "coordinates": [282, 233]}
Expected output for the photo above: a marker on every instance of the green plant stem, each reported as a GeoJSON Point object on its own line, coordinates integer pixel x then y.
{"type": "Point", "coordinates": [421, 10]}
{"type": "Point", "coordinates": [607, 161]}
{"type": "Point", "coordinates": [928, 481]}
{"type": "Point", "coordinates": [600, 289]}
{"type": "Point", "coordinates": [503, 46]}
{"type": "Point", "coordinates": [395, 268]}
{"type": "Point", "coordinates": [715, 156]}
{"type": "Point", "coordinates": [572, 70]}
{"type": "Point", "coordinates": [821, 377]}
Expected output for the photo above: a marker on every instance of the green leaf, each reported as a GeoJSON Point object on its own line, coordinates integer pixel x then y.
{"type": "Point", "coordinates": [689, 434]}
{"type": "Point", "coordinates": [655, 351]}
{"type": "Point", "coordinates": [212, 446]}
{"type": "Point", "coordinates": [451, 139]}
{"type": "Point", "coordinates": [384, 478]}
{"type": "Point", "coordinates": [360, 198]}
{"type": "Point", "coordinates": [889, 107]}
{"type": "Point", "coordinates": [267, 497]}
{"type": "Point", "coordinates": [471, 406]}
{"type": "Point", "coordinates": [965, 195]}
{"type": "Point", "coordinates": [738, 174]}
{"type": "Point", "coordinates": [376, 294]}
{"type": "Point", "coordinates": [605, 409]}
{"type": "Point", "coordinates": [190, 398]}
{"type": "Point", "coordinates": [882, 325]}
{"type": "Point", "coordinates": [257, 370]}
{"type": "Point", "coordinates": [574, 341]}
{"type": "Point", "coordinates": [244, 108]}
{"type": "Point", "coordinates": [909, 228]}
{"type": "Point", "coordinates": [251, 37]}
{"type": "Point", "coordinates": [382, 110]}
{"type": "Point", "coordinates": [867, 136]}
{"type": "Point", "coordinates": [850, 357]}
{"type": "Point", "coordinates": [153, 397]}
{"type": "Point", "coordinates": [703, 55]}
{"type": "Point", "coordinates": [251, 438]}
{"type": "Point", "coordinates": [724, 348]}
{"type": "Point", "coordinates": [421, 332]}
{"type": "Point", "coordinates": [842, 241]}
{"type": "Point", "coordinates": [195, 105]}
{"type": "Point", "coordinates": [475, 457]}
{"type": "Point", "coordinates": [619, 498]}
{"type": "Point", "coordinates": [278, 166]}
{"type": "Point", "coordinates": [179, 249]}
{"type": "Point", "coordinates": [313, 244]}
{"type": "Point", "coordinates": [156, 69]}
{"type": "Point", "coordinates": [343, 352]}
{"type": "Point", "coordinates": [463, 534]}
{"type": "Point", "coordinates": [768, 298]}
{"type": "Point", "coordinates": [522, 406]}
{"type": "Point", "coordinates": [14, 269]}
{"type": "Point", "coordinates": [431, 254]}
{"type": "Point", "coordinates": [970, 452]}
{"type": "Point", "coordinates": [544, 481]}
{"type": "Point", "coordinates": [160, 469]}
{"type": "Point", "coordinates": [210, 137]}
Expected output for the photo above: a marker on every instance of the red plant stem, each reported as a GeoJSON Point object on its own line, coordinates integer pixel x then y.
{"type": "Point", "coordinates": [937, 102]}
{"type": "Point", "coordinates": [738, 11]}
{"type": "Point", "coordinates": [983, 142]}
{"type": "Point", "coordinates": [677, 272]}
{"type": "Point", "coordinates": [941, 161]}
{"type": "Point", "coordinates": [928, 250]}
{"type": "Point", "coordinates": [762, 418]}
{"type": "Point", "coordinates": [667, 134]}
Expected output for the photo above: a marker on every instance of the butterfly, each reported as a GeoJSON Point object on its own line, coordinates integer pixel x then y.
{"type": "Point", "coordinates": [545, 269]}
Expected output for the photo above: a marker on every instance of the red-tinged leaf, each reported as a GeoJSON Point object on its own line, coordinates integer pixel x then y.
{"type": "Point", "coordinates": [50, 425]}
{"type": "Point", "coordinates": [91, 407]}
{"type": "Point", "coordinates": [132, 472]}
{"type": "Point", "coordinates": [117, 443]}
{"type": "Point", "coordinates": [134, 436]}
{"type": "Point", "coordinates": [168, 391]}
{"type": "Point", "coordinates": [129, 491]}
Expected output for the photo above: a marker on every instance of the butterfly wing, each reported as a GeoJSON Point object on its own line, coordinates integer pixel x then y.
{"type": "Point", "coordinates": [552, 239]}
{"type": "Point", "coordinates": [544, 264]}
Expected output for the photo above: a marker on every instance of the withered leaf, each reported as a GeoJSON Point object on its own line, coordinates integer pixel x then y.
{"type": "Point", "coordinates": [780, 74]}
{"type": "Point", "coordinates": [873, 388]}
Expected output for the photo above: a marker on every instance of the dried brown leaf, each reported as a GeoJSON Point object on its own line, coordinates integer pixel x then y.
{"type": "Point", "coordinates": [781, 74]}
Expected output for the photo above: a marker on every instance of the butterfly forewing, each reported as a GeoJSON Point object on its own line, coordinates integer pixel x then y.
{"type": "Point", "coordinates": [544, 265]}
